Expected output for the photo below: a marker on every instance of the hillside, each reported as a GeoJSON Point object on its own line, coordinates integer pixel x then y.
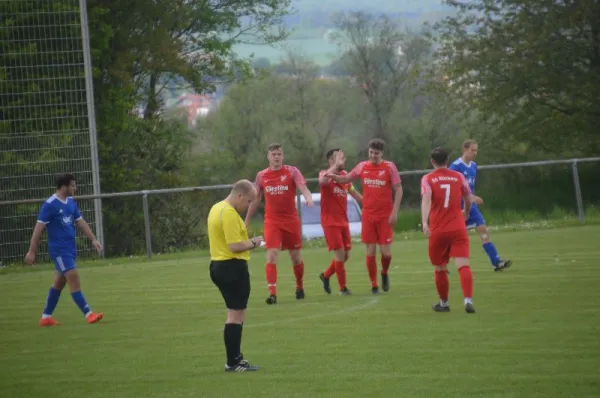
{"type": "Point", "coordinates": [312, 20]}
{"type": "Point", "coordinates": [385, 6]}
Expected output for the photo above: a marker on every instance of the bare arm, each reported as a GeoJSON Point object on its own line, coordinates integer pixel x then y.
{"type": "Point", "coordinates": [356, 195]}
{"type": "Point", "coordinates": [306, 193]}
{"type": "Point", "coordinates": [398, 192]}
{"type": "Point", "coordinates": [35, 241]}
{"type": "Point", "coordinates": [467, 195]}
{"type": "Point", "coordinates": [323, 179]}
{"type": "Point", "coordinates": [85, 228]}
{"type": "Point", "coordinates": [340, 179]}
{"type": "Point", "coordinates": [425, 209]}
{"type": "Point", "coordinates": [468, 202]}
{"type": "Point", "coordinates": [252, 208]}
{"type": "Point", "coordinates": [35, 236]}
{"type": "Point", "coordinates": [245, 245]}
{"type": "Point", "coordinates": [87, 231]}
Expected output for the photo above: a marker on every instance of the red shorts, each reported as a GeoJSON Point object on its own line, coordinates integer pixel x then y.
{"type": "Point", "coordinates": [337, 238]}
{"type": "Point", "coordinates": [444, 245]}
{"type": "Point", "coordinates": [376, 230]}
{"type": "Point", "coordinates": [283, 236]}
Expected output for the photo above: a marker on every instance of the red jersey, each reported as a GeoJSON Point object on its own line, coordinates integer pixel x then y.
{"type": "Point", "coordinates": [378, 183]}
{"type": "Point", "coordinates": [334, 202]}
{"type": "Point", "coordinates": [447, 189]}
{"type": "Point", "coordinates": [279, 190]}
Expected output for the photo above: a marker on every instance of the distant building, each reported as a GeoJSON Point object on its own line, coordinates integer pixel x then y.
{"type": "Point", "coordinates": [195, 105]}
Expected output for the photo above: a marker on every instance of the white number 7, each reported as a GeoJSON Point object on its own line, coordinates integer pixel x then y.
{"type": "Point", "coordinates": [446, 187]}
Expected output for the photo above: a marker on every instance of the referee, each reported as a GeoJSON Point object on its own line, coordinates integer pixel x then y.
{"type": "Point", "coordinates": [229, 254]}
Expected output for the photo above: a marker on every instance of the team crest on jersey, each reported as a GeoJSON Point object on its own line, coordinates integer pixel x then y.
{"type": "Point", "coordinates": [68, 220]}
{"type": "Point", "coordinates": [283, 178]}
{"type": "Point", "coordinates": [381, 173]}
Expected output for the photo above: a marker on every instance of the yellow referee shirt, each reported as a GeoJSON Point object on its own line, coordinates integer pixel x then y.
{"type": "Point", "coordinates": [225, 226]}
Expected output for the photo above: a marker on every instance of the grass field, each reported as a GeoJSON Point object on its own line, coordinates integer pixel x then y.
{"type": "Point", "coordinates": [535, 333]}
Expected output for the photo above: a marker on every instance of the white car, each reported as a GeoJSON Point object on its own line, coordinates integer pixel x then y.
{"type": "Point", "coordinates": [311, 217]}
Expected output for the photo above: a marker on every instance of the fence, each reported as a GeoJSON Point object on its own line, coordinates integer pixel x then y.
{"type": "Point", "coordinates": [47, 121]}
{"type": "Point", "coordinates": [190, 220]}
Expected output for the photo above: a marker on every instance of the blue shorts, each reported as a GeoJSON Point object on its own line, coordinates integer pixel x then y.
{"type": "Point", "coordinates": [475, 217]}
{"type": "Point", "coordinates": [63, 263]}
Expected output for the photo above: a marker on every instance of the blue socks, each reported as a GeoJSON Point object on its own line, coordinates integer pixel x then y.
{"type": "Point", "coordinates": [492, 253]}
{"type": "Point", "coordinates": [51, 301]}
{"type": "Point", "coordinates": [81, 303]}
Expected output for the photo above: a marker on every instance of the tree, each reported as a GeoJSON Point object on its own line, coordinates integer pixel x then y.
{"type": "Point", "coordinates": [190, 42]}
{"type": "Point", "coordinates": [381, 58]}
{"type": "Point", "coordinates": [306, 114]}
{"type": "Point", "coordinates": [531, 67]}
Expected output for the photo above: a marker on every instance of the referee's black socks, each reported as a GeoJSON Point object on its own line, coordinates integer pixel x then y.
{"type": "Point", "coordinates": [233, 342]}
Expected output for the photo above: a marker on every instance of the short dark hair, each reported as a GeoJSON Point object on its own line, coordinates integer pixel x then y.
{"type": "Point", "coordinates": [377, 144]}
{"type": "Point", "coordinates": [331, 152]}
{"type": "Point", "coordinates": [467, 143]}
{"type": "Point", "coordinates": [273, 147]}
{"type": "Point", "coordinates": [64, 180]}
{"type": "Point", "coordinates": [440, 156]}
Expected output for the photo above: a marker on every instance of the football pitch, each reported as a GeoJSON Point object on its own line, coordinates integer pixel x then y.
{"type": "Point", "coordinates": [535, 333]}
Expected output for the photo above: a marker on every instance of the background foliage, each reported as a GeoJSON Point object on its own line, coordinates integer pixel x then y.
{"type": "Point", "coordinates": [521, 77]}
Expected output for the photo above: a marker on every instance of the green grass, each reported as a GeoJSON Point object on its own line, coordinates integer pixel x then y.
{"type": "Point", "coordinates": [410, 220]}
{"type": "Point", "coordinates": [535, 332]}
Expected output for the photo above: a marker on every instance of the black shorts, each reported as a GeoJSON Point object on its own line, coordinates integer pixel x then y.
{"type": "Point", "coordinates": [233, 280]}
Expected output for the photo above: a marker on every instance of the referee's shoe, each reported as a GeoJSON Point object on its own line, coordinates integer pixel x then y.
{"type": "Point", "coordinates": [241, 366]}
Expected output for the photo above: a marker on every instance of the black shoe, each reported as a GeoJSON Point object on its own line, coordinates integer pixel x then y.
{"type": "Point", "coordinates": [385, 282]}
{"type": "Point", "coordinates": [345, 292]}
{"type": "Point", "coordinates": [470, 308]}
{"type": "Point", "coordinates": [438, 307]}
{"type": "Point", "coordinates": [502, 265]}
{"type": "Point", "coordinates": [271, 300]}
{"type": "Point", "coordinates": [326, 285]}
{"type": "Point", "coordinates": [375, 290]}
{"type": "Point", "coordinates": [242, 366]}
{"type": "Point", "coordinates": [299, 294]}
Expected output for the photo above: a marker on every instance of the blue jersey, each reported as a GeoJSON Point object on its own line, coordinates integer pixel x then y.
{"type": "Point", "coordinates": [60, 218]}
{"type": "Point", "coordinates": [468, 170]}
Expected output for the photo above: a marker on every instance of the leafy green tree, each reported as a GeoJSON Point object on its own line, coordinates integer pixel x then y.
{"type": "Point", "coordinates": [382, 59]}
{"type": "Point", "coordinates": [530, 67]}
{"type": "Point", "coordinates": [140, 49]}
{"type": "Point", "coordinates": [159, 42]}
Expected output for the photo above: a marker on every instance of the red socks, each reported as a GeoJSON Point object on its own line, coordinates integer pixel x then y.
{"type": "Point", "coordinates": [340, 270]}
{"type": "Point", "coordinates": [372, 269]}
{"type": "Point", "coordinates": [271, 272]}
{"type": "Point", "coordinates": [466, 281]}
{"type": "Point", "coordinates": [331, 270]}
{"type": "Point", "coordinates": [442, 284]}
{"type": "Point", "coordinates": [385, 264]}
{"type": "Point", "coordinates": [299, 274]}
{"type": "Point", "coordinates": [337, 267]}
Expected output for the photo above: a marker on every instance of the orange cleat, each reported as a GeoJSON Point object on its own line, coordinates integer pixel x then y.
{"type": "Point", "coordinates": [48, 322]}
{"type": "Point", "coordinates": [94, 317]}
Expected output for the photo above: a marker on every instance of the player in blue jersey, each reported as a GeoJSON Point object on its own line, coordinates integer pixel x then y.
{"type": "Point", "coordinates": [467, 167]}
{"type": "Point", "coordinates": [59, 215]}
